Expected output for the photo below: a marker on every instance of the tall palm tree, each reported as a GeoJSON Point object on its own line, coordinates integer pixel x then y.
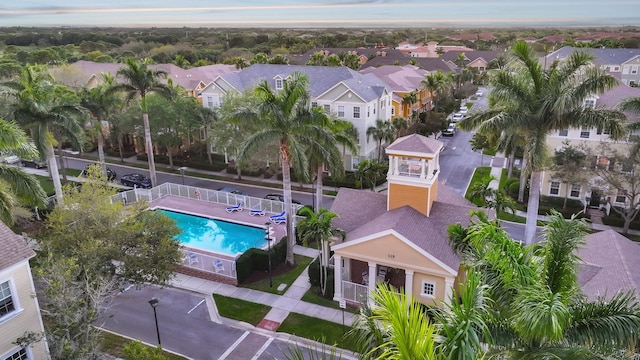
{"type": "Point", "coordinates": [286, 121]}
{"type": "Point", "coordinates": [42, 106]}
{"type": "Point", "coordinates": [400, 125]}
{"type": "Point", "coordinates": [461, 61]}
{"type": "Point", "coordinates": [101, 103]}
{"type": "Point", "coordinates": [381, 132]}
{"type": "Point", "coordinates": [533, 101]}
{"type": "Point", "coordinates": [318, 227]}
{"type": "Point", "coordinates": [436, 83]}
{"type": "Point", "coordinates": [139, 81]}
{"type": "Point", "coordinates": [408, 101]}
{"type": "Point", "coordinates": [16, 186]}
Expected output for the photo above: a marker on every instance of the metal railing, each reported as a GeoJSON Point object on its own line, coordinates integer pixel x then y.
{"type": "Point", "coordinates": [355, 292]}
{"type": "Point", "coordinates": [208, 263]}
{"type": "Point", "coordinates": [196, 193]}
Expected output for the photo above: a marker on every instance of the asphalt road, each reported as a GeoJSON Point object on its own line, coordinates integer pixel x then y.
{"type": "Point", "coordinates": [185, 327]}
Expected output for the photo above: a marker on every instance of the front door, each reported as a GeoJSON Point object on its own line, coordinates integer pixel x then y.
{"type": "Point", "coordinates": [595, 198]}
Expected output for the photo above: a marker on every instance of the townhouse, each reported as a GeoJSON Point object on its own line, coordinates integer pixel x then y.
{"type": "Point", "coordinates": [624, 64]}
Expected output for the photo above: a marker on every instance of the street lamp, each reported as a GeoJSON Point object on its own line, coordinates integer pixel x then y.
{"type": "Point", "coordinates": [154, 304]}
{"type": "Point", "coordinates": [267, 236]}
{"type": "Point", "coordinates": [182, 170]}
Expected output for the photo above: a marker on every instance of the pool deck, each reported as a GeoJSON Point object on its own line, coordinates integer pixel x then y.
{"type": "Point", "coordinates": [218, 211]}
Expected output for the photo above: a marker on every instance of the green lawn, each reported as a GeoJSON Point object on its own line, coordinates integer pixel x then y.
{"type": "Point", "coordinates": [479, 176]}
{"type": "Point", "coordinates": [241, 310]}
{"type": "Point", "coordinates": [114, 345]}
{"type": "Point", "coordinates": [287, 278]}
{"type": "Point", "coordinates": [313, 296]}
{"type": "Point", "coordinates": [320, 330]}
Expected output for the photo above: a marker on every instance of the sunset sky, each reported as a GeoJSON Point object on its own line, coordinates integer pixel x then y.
{"type": "Point", "coordinates": [323, 13]}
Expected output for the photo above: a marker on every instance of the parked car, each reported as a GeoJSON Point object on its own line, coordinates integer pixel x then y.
{"type": "Point", "coordinates": [280, 197]}
{"type": "Point", "coordinates": [457, 117]}
{"type": "Point", "coordinates": [231, 190]}
{"type": "Point", "coordinates": [136, 180]}
{"type": "Point", "coordinates": [11, 159]}
{"type": "Point", "coordinates": [34, 163]}
{"type": "Point", "coordinates": [450, 130]}
{"type": "Point", "coordinates": [463, 110]}
{"type": "Point", "coordinates": [479, 93]}
{"type": "Point", "coordinates": [111, 175]}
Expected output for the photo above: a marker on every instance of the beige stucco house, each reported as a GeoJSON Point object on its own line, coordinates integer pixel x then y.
{"type": "Point", "coordinates": [400, 237]}
{"type": "Point", "coordinates": [19, 309]}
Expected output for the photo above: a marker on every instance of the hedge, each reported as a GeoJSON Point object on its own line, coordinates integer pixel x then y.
{"type": "Point", "coordinates": [116, 153]}
{"type": "Point", "coordinates": [614, 219]}
{"type": "Point", "coordinates": [349, 180]}
{"type": "Point", "coordinates": [163, 159]}
{"type": "Point", "coordinates": [258, 260]}
{"type": "Point", "coordinates": [314, 277]}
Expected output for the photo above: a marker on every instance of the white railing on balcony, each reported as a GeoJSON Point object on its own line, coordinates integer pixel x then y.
{"type": "Point", "coordinates": [355, 292]}
{"type": "Point", "coordinates": [410, 168]}
{"type": "Point", "coordinates": [196, 193]}
{"type": "Point", "coordinates": [208, 263]}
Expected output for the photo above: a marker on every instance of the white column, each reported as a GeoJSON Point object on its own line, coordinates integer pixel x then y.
{"type": "Point", "coordinates": [429, 169]}
{"type": "Point", "coordinates": [372, 280]}
{"type": "Point", "coordinates": [347, 269]}
{"type": "Point", "coordinates": [337, 277]}
{"type": "Point", "coordinates": [396, 163]}
{"type": "Point", "coordinates": [408, 282]}
{"type": "Point", "coordinates": [448, 288]}
{"type": "Point", "coordinates": [423, 169]}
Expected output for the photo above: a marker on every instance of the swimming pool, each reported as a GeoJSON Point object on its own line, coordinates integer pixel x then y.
{"type": "Point", "coordinates": [217, 236]}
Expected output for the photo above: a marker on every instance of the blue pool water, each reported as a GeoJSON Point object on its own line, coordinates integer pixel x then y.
{"type": "Point", "coordinates": [218, 236]}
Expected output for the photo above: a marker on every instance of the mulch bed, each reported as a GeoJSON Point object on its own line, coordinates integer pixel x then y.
{"type": "Point", "coordinates": [275, 271]}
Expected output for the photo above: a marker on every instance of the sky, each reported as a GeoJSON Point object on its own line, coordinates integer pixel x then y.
{"type": "Point", "coordinates": [318, 13]}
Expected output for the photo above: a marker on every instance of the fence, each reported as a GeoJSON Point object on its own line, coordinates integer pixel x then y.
{"type": "Point", "coordinates": [355, 292]}
{"type": "Point", "coordinates": [208, 263]}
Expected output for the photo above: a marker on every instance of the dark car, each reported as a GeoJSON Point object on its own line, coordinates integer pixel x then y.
{"type": "Point", "coordinates": [34, 163]}
{"type": "Point", "coordinates": [136, 180]}
{"type": "Point", "coordinates": [231, 190]}
{"type": "Point", "coordinates": [280, 197]}
{"type": "Point", "coordinates": [111, 175]}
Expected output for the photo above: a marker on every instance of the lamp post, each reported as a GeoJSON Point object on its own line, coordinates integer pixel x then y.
{"type": "Point", "coordinates": [268, 233]}
{"type": "Point", "coordinates": [154, 304]}
{"type": "Point", "coordinates": [182, 170]}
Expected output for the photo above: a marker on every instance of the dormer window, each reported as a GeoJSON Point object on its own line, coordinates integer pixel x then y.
{"type": "Point", "coordinates": [590, 103]}
{"type": "Point", "coordinates": [279, 84]}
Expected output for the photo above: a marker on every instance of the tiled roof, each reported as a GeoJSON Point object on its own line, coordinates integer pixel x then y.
{"type": "Point", "coordinates": [416, 143]}
{"type": "Point", "coordinates": [368, 52]}
{"type": "Point", "coordinates": [610, 264]}
{"type": "Point", "coordinates": [13, 248]}
{"type": "Point", "coordinates": [601, 56]}
{"type": "Point", "coordinates": [613, 97]}
{"type": "Point", "coordinates": [357, 207]}
{"type": "Point", "coordinates": [471, 55]}
{"type": "Point", "coordinates": [399, 78]}
{"type": "Point", "coordinates": [321, 78]}
{"type": "Point", "coordinates": [428, 64]}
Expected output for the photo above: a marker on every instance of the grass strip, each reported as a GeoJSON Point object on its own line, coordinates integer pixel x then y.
{"type": "Point", "coordinates": [241, 310]}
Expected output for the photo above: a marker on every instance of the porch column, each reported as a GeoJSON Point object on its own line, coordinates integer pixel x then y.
{"type": "Point", "coordinates": [429, 169]}
{"type": "Point", "coordinates": [337, 277]}
{"type": "Point", "coordinates": [423, 165]}
{"type": "Point", "coordinates": [448, 288]}
{"type": "Point", "coordinates": [408, 282]}
{"type": "Point", "coordinates": [372, 280]}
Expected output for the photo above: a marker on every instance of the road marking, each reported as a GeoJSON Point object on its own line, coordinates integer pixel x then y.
{"type": "Point", "coordinates": [262, 349]}
{"type": "Point", "coordinates": [189, 312]}
{"type": "Point", "coordinates": [234, 346]}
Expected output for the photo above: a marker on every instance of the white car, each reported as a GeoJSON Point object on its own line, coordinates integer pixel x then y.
{"type": "Point", "coordinates": [479, 93]}
{"type": "Point", "coordinates": [463, 110]}
{"type": "Point", "coordinates": [457, 117]}
{"type": "Point", "coordinates": [450, 131]}
{"type": "Point", "coordinates": [12, 159]}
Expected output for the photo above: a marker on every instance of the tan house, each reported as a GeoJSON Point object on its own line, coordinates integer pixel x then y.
{"type": "Point", "coordinates": [19, 309]}
{"type": "Point", "coordinates": [400, 237]}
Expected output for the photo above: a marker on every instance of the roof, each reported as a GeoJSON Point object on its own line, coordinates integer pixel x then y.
{"type": "Point", "coordinates": [370, 53]}
{"type": "Point", "coordinates": [399, 78]}
{"type": "Point", "coordinates": [471, 55]}
{"type": "Point", "coordinates": [610, 262]}
{"type": "Point", "coordinates": [363, 213]}
{"type": "Point", "coordinates": [601, 56]}
{"type": "Point", "coordinates": [14, 248]}
{"type": "Point", "coordinates": [321, 78]}
{"type": "Point", "coordinates": [613, 97]}
{"type": "Point", "coordinates": [416, 143]}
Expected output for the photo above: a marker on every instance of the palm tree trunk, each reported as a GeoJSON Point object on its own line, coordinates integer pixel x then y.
{"type": "Point", "coordinates": [170, 156]}
{"type": "Point", "coordinates": [286, 184]}
{"type": "Point", "coordinates": [532, 208]}
{"type": "Point", "coordinates": [148, 147]}
{"type": "Point", "coordinates": [379, 149]}
{"type": "Point", "coordinates": [209, 141]}
{"type": "Point", "coordinates": [103, 167]}
{"type": "Point", "coordinates": [510, 165]}
{"type": "Point", "coordinates": [61, 159]}
{"type": "Point", "coordinates": [523, 181]}
{"type": "Point", "coordinates": [55, 174]}
{"type": "Point", "coordinates": [120, 149]}
{"type": "Point", "coordinates": [318, 197]}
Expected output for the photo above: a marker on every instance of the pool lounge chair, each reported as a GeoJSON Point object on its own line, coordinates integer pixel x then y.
{"type": "Point", "coordinates": [192, 258]}
{"type": "Point", "coordinates": [278, 220]}
{"type": "Point", "coordinates": [218, 265]}
{"type": "Point", "coordinates": [235, 208]}
{"type": "Point", "coordinates": [281, 215]}
{"type": "Point", "coordinates": [259, 212]}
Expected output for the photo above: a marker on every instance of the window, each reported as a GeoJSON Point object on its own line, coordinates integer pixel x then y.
{"type": "Point", "coordinates": [590, 103]}
{"type": "Point", "coordinates": [575, 190]}
{"type": "Point", "coordinates": [279, 84]}
{"type": "Point", "coordinates": [356, 112]}
{"type": "Point", "coordinates": [428, 288]}
{"type": "Point", "coordinates": [7, 304]}
{"type": "Point", "coordinates": [585, 133]}
{"type": "Point", "coordinates": [564, 132]}
{"type": "Point", "coordinates": [314, 104]}
{"type": "Point", "coordinates": [621, 197]}
{"type": "Point", "coordinates": [355, 161]}
{"type": "Point", "coordinates": [340, 110]}
{"type": "Point", "coordinates": [393, 111]}
{"type": "Point", "coordinates": [209, 101]}
{"type": "Point", "coordinates": [616, 68]}
{"type": "Point", "coordinates": [327, 108]}
{"type": "Point", "coordinates": [368, 111]}
{"type": "Point", "coordinates": [634, 69]}
{"type": "Point", "coordinates": [21, 354]}
{"type": "Point", "coordinates": [555, 188]}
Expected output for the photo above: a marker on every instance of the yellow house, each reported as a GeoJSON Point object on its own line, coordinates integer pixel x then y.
{"type": "Point", "coordinates": [400, 237]}
{"type": "Point", "coordinates": [19, 309]}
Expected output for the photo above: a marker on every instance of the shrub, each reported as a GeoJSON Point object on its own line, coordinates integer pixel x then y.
{"type": "Point", "coordinates": [512, 188]}
{"type": "Point", "coordinates": [258, 260]}
{"type": "Point", "coordinates": [135, 350]}
{"type": "Point", "coordinates": [116, 153]}
{"type": "Point", "coordinates": [314, 278]}
{"type": "Point", "coordinates": [178, 161]}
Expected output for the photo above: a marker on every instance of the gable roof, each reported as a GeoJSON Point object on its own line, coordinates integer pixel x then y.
{"type": "Point", "coordinates": [416, 143]}
{"type": "Point", "coordinates": [14, 248]}
{"type": "Point", "coordinates": [399, 78]}
{"type": "Point", "coordinates": [370, 53]}
{"type": "Point", "coordinates": [428, 64]}
{"type": "Point", "coordinates": [601, 56]}
{"type": "Point", "coordinates": [471, 55]}
{"type": "Point", "coordinates": [613, 97]}
{"type": "Point", "coordinates": [321, 78]}
{"type": "Point", "coordinates": [610, 262]}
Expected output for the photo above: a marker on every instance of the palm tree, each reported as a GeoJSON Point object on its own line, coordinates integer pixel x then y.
{"type": "Point", "coordinates": [408, 100]}
{"type": "Point", "coordinates": [287, 121]}
{"type": "Point", "coordinates": [436, 83]}
{"type": "Point", "coordinates": [42, 106]}
{"type": "Point", "coordinates": [101, 103]}
{"type": "Point", "coordinates": [461, 61]}
{"type": "Point", "coordinates": [17, 187]}
{"type": "Point", "coordinates": [319, 228]}
{"type": "Point", "coordinates": [139, 81]}
{"type": "Point", "coordinates": [534, 102]}
{"type": "Point", "coordinates": [400, 125]}
{"type": "Point", "coordinates": [381, 132]}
